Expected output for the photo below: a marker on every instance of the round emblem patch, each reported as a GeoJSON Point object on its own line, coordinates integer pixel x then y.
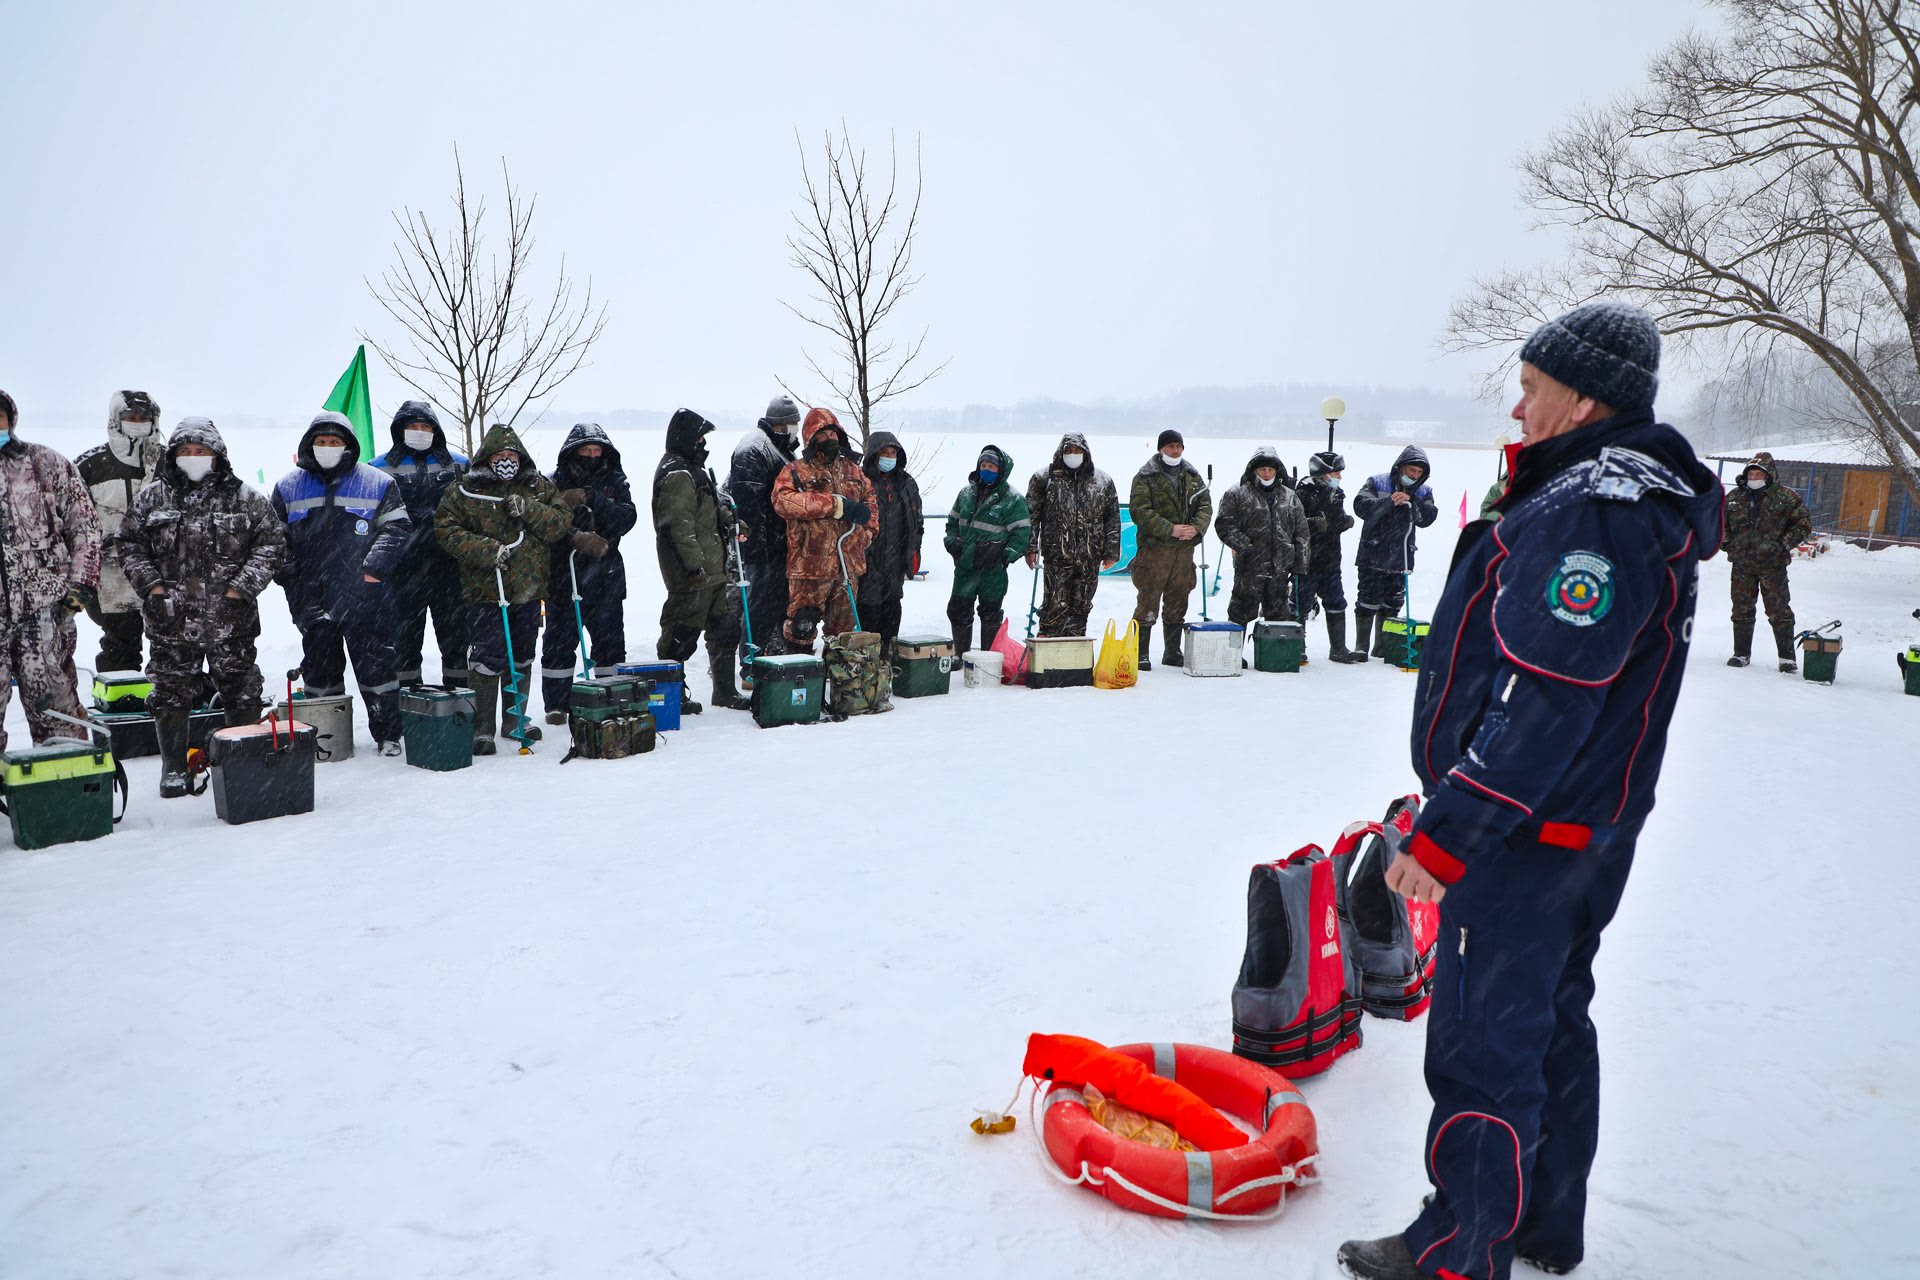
{"type": "Point", "coordinates": [360, 527]}
{"type": "Point", "coordinates": [1580, 592]}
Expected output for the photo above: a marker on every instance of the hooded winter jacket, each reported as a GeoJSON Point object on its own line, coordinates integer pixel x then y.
{"type": "Point", "coordinates": [219, 533]}
{"type": "Point", "coordinates": [1075, 510]}
{"type": "Point", "coordinates": [114, 473]}
{"type": "Point", "coordinates": [1559, 644]}
{"type": "Point", "coordinates": [1264, 527]}
{"type": "Point", "coordinates": [343, 525]}
{"type": "Point", "coordinates": [1164, 496]}
{"type": "Point", "coordinates": [50, 533]}
{"type": "Point", "coordinates": [989, 526]}
{"type": "Point", "coordinates": [896, 548]}
{"type": "Point", "coordinates": [1765, 525]}
{"type": "Point", "coordinates": [1325, 507]}
{"type": "Point", "coordinates": [691, 525]}
{"type": "Point", "coordinates": [1387, 540]}
{"type": "Point", "coordinates": [423, 478]}
{"type": "Point", "coordinates": [609, 511]}
{"type": "Point", "coordinates": [757, 462]}
{"type": "Point", "coordinates": [803, 496]}
{"type": "Point", "coordinates": [476, 518]}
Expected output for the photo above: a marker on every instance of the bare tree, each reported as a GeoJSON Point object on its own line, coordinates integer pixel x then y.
{"type": "Point", "coordinates": [477, 344]}
{"type": "Point", "coordinates": [1760, 189]}
{"type": "Point", "coordinates": [855, 244]}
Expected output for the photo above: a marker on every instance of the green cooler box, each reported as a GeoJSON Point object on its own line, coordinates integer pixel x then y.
{"type": "Point", "coordinates": [1401, 641]}
{"type": "Point", "coordinates": [922, 666]}
{"type": "Point", "coordinates": [438, 727]}
{"type": "Point", "coordinates": [1279, 646]}
{"type": "Point", "coordinates": [788, 689]}
{"type": "Point", "coordinates": [1910, 671]}
{"type": "Point", "coordinates": [1819, 658]}
{"type": "Point", "coordinates": [121, 691]}
{"type": "Point", "coordinates": [60, 793]}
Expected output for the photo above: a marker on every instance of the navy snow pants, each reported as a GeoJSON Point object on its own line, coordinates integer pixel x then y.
{"type": "Point", "coordinates": [1513, 1062]}
{"type": "Point", "coordinates": [360, 626]}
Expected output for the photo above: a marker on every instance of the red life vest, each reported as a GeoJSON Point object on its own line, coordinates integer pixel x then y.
{"type": "Point", "coordinates": [1390, 940]}
{"type": "Point", "coordinates": [1291, 1007]}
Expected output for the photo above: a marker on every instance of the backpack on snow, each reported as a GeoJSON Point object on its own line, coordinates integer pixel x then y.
{"type": "Point", "coordinates": [1390, 940]}
{"type": "Point", "coordinates": [859, 678]}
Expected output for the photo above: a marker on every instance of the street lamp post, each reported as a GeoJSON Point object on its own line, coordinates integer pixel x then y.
{"type": "Point", "coordinates": [1333, 408]}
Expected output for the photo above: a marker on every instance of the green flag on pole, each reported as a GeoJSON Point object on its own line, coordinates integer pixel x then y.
{"type": "Point", "coordinates": [350, 397]}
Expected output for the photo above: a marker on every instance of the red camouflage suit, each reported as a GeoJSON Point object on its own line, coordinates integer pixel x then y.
{"type": "Point", "coordinates": [804, 497]}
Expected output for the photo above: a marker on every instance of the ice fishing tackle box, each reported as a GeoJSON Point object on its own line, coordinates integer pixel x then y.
{"type": "Point", "coordinates": [1060, 662]}
{"type": "Point", "coordinates": [1401, 640]}
{"type": "Point", "coordinates": [922, 666]}
{"type": "Point", "coordinates": [859, 678]}
{"type": "Point", "coordinates": [1279, 646]}
{"type": "Point", "coordinates": [1213, 648]}
{"type": "Point", "coordinates": [1910, 671]}
{"type": "Point", "coordinates": [787, 689]}
{"type": "Point", "coordinates": [262, 770]}
{"type": "Point", "coordinates": [120, 691]}
{"type": "Point", "coordinates": [607, 697]}
{"type": "Point", "coordinates": [133, 735]}
{"type": "Point", "coordinates": [331, 716]}
{"type": "Point", "coordinates": [1819, 658]}
{"type": "Point", "coordinates": [437, 725]}
{"type": "Point", "coordinates": [667, 685]}
{"type": "Point", "coordinates": [61, 792]}
{"type": "Point", "coordinates": [614, 737]}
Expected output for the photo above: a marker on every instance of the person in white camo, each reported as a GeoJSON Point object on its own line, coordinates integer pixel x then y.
{"type": "Point", "coordinates": [114, 472]}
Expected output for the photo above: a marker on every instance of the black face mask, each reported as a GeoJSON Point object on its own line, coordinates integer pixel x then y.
{"type": "Point", "coordinates": [585, 466]}
{"type": "Point", "coordinates": [828, 450]}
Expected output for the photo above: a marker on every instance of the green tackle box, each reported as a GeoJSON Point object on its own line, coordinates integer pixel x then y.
{"type": "Point", "coordinates": [1910, 671]}
{"type": "Point", "coordinates": [608, 697]}
{"type": "Point", "coordinates": [787, 689]}
{"type": "Point", "coordinates": [1819, 658]}
{"type": "Point", "coordinates": [1401, 640]}
{"type": "Point", "coordinates": [922, 666]}
{"type": "Point", "coordinates": [121, 691]}
{"type": "Point", "coordinates": [437, 725]}
{"type": "Point", "coordinates": [1279, 646]}
{"type": "Point", "coordinates": [60, 792]}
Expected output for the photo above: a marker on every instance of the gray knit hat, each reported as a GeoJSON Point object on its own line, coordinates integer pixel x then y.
{"type": "Point", "coordinates": [782, 411]}
{"type": "Point", "coordinates": [1607, 350]}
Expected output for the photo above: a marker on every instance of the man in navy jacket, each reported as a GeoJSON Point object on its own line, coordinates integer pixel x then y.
{"type": "Point", "coordinates": [1540, 720]}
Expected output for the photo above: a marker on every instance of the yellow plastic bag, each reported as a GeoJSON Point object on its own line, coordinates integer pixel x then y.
{"type": "Point", "coordinates": [1119, 662]}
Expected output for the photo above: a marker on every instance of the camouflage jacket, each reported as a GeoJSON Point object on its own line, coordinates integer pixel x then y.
{"type": "Point", "coordinates": [1075, 511]}
{"type": "Point", "coordinates": [1163, 497]}
{"type": "Point", "coordinates": [114, 472]}
{"type": "Point", "coordinates": [1265, 528]}
{"type": "Point", "coordinates": [218, 534]}
{"type": "Point", "coordinates": [475, 519]}
{"type": "Point", "coordinates": [1764, 526]}
{"type": "Point", "coordinates": [803, 497]}
{"type": "Point", "coordinates": [48, 528]}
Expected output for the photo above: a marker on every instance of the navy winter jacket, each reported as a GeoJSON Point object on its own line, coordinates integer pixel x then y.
{"type": "Point", "coordinates": [423, 479]}
{"type": "Point", "coordinates": [341, 524]}
{"type": "Point", "coordinates": [1387, 538]}
{"type": "Point", "coordinates": [1558, 647]}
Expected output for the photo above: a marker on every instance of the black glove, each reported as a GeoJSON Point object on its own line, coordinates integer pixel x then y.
{"type": "Point", "coordinates": [573, 497]}
{"type": "Point", "coordinates": [854, 511]}
{"type": "Point", "coordinates": [956, 549]}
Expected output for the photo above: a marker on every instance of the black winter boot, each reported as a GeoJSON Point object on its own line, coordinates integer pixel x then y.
{"type": "Point", "coordinates": [960, 620]}
{"type": "Point", "coordinates": [1379, 649]}
{"type": "Point", "coordinates": [1146, 634]}
{"type": "Point", "coordinates": [1170, 655]}
{"type": "Point", "coordinates": [990, 626]}
{"type": "Point", "coordinates": [1362, 624]}
{"type": "Point", "coordinates": [1783, 644]}
{"type": "Point", "coordinates": [724, 693]}
{"type": "Point", "coordinates": [486, 698]}
{"type": "Point", "coordinates": [1387, 1258]}
{"type": "Point", "coordinates": [173, 734]}
{"type": "Point", "coordinates": [1742, 643]}
{"type": "Point", "coordinates": [1337, 650]}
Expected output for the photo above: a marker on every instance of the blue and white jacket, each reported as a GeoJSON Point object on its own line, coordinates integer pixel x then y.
{"type": "Point", "coordinates": [341, 524]}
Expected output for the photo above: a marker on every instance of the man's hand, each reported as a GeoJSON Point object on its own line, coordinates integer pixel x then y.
{"type": "Point", "coordinates": [1411, 880]}
{"type": "Point", "coordinates": [590, 543]}
{"type": "Point", "coordinates": [574, 497]}
{"type": "Point", "coordinates": [1399, 498]}
{"type": "Point", "coordinates": [77, 598]}
{"type": "Point", "coordinates": [1108, 564]}
{"type": "Point", "coordinates": [1033, 557]}
{"type": "Point", "coordinates": [367, 577]}
{"type": "Point", "coordinates": [1184, 532]}
{"type": "Point", "coordinates": [235, 595]}
{"type": "Point", "coordinates": [157, 590]}
{"type": "Point", "coordinates": [517, 505]}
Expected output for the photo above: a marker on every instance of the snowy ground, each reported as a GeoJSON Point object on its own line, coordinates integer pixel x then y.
{"type": "Point", "coordinates": [725, 1010]}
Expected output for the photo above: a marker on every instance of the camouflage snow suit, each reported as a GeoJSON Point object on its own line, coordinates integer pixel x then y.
{"type": "Point", "coordinates": [692, 530]}
{"type": "Point", "coordinates": [1076, 529]}
{"type": "Point", "coordinates": [114, 473]}
{"type": "Point", "coordinates": [1763, 526]}
{"type": "Point", "coordinates": [198, 542]}
{"type": "Point", "coordinates": [805, 496]}
{"type": "Point", "coordinates": [1162, 568]}
{"type": "Point", "coordinates": [1266, 529]}
{"type": "Point", "coordinates": [51, 562]}
{"type": "Point", "coordinates": [987, 530]}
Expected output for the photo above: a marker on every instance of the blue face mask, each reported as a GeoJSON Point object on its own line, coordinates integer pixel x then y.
{"type": "Point", "coordinates": [888, 464]}
{"type": "Point", "coordinates": [989, 478]}
{"type": "Point", "coordinates": [1407, 482]}
{"type": "Point", "coordinates": [6, 438]}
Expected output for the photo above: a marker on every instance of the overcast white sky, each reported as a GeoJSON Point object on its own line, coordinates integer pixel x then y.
{"type": "Point", "coordinates": [1121, 199]}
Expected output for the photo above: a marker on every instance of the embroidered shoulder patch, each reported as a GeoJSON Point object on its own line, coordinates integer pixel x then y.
{"type": "Point", "coordinates": [1580, 591]}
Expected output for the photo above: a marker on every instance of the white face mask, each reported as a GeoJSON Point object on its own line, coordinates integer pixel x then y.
{"type": "Point", "coordinates": [1756, 484]}
{"type": "Point", "coordinates": [1169, 460]}
{"type": "Point", "coordinates": [1264, 482]}
{"type": "Point", "coordinates": [1331, 479]}
{"type": "Point", "coordinates": [418, 441]}
{"type": "Point", "coordinates": [195, 468]}
{"type": "Point", "coordinates": [506, 467]}
{"type": "Point", "coordinates": [1073, 460]}
{"type": "Point", "coordinates": [329, 455]}
{"type": "Point", "coordinates": [137, 430]}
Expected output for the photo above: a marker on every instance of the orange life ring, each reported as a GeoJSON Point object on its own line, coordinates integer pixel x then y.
{"type": "Point", "coordinates": [1243, 1181]}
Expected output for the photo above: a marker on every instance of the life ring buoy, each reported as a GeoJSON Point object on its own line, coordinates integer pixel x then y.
{"type": "Point", "coordinates": [1244, 1181]}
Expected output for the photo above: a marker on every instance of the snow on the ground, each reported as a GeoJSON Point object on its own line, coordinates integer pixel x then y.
{"type": "Point", "coordinates": [725, 1010]}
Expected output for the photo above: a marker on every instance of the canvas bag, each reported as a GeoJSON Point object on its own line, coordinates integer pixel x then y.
{"type": "Point", "coordinates": [859, 679]}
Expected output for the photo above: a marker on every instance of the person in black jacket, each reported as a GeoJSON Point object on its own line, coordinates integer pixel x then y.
{"type": "Point", "coordinates": [758, 460]}
{"type": "Point", "coordinates": [426, 580]}
{"type": "Point", "coordinates": [1327, 519]}
{"type": "Point", "coordinates": [1390, 507]}
{"type": "Point", "coordinates": [589, 565]}
{"type": "Point", "coordinates": [895, 552]}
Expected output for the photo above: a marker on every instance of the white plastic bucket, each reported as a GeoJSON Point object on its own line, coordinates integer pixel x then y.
{"type": "Point", "coordinates": [332, 721]}
{"type": "Point", "coordinates": [982, 669]}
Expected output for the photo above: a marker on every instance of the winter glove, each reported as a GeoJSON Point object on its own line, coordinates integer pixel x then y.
{"type": "Point", "coordinates": [516, 505]}
{"type": "Point", "coordinates": [854, 511]}
{"type": "Point", "coordinates": [573, 497]}
{"type": "Point", "coordinates": [591, 543]}
{"type": "Point", "coordinates": [501, 555]}
{"type": "Point", "coordinates": [77, 599]}
{"type": "Point", "coordinates": [954, 548]}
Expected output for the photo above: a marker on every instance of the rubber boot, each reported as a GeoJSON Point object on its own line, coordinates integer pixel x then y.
{"type": "Point", "coordinates": [990, 626]}
{"type": "Point", "coordinates": [1170, 655]}
{"type": "Point", "coordinates": [960, 621]}
{"type": "Point", "coordinates": [486, 697]}
{"type": "Point", "coordinates": [1362, 624]}
{"type": "Point", "coordinates": [1337, 650]}
{"type": "Point", "coordinates": [724, 693]}
{"type": "Point", "coordinates": [173, 733]}
{"type": "Point", "coordinates": [241, 713]}
{"type": "Point", "coordinates": [1742, 643]}
{"type": "Point", "coordinates": [1146, 634]}
{"type": "Point", "coordinates": [1379, 649]}
{"type": "Point", "coordinates": [1387, 1258]}
{"type": "Point", "coordinates": [1783, 644]}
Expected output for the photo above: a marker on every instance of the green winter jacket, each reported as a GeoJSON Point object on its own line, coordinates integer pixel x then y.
{"type": "Point", "coordinates": [988, 528]}
{"type": "Point", "coordinates": [1163, 497]}
{"type": "Point", "coordinates": [474, 520]}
